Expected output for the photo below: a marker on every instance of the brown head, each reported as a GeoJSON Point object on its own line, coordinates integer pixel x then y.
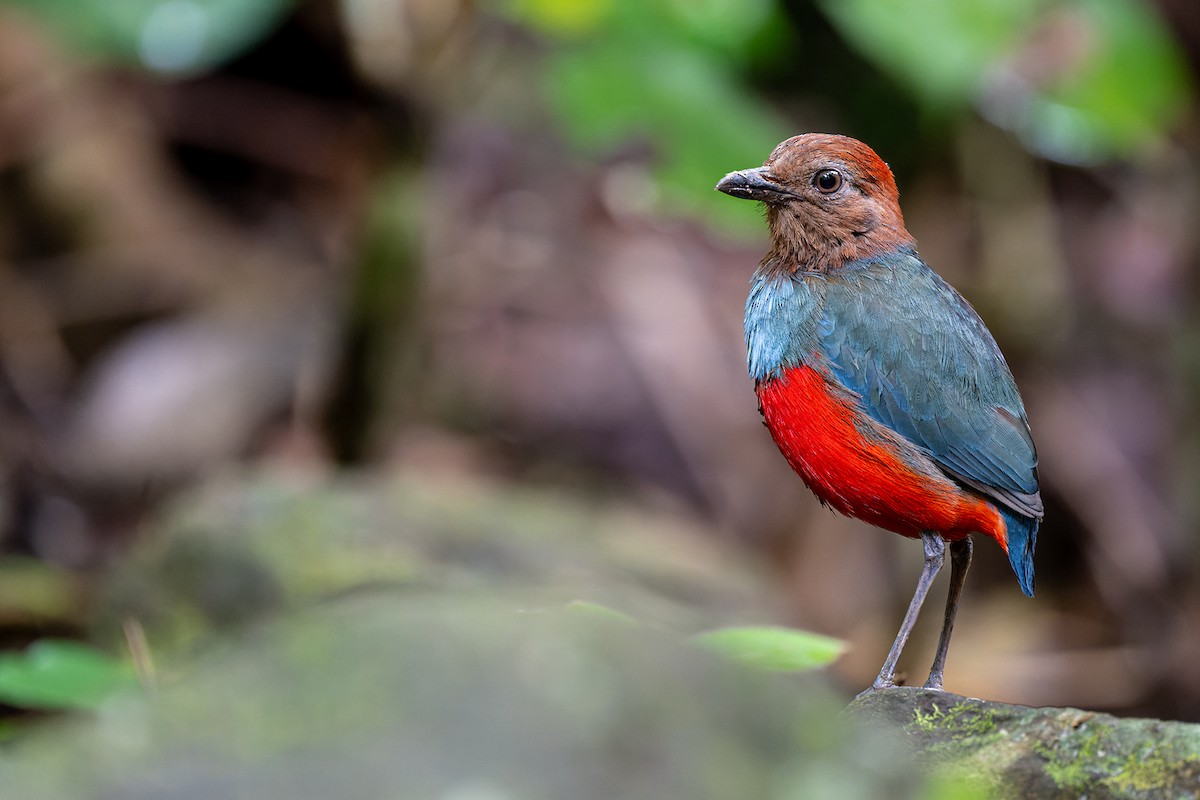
{"type": "Point", "coordinates": [829, 200]}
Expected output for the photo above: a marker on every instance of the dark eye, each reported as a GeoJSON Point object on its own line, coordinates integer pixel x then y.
{"type": "Point", "coordinates": [828, 181]}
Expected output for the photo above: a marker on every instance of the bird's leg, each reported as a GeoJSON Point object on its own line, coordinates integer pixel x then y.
{"type": "Point", "coordinates": [935, 551]}
{"type": "Point", "coordinates": [960, 562]}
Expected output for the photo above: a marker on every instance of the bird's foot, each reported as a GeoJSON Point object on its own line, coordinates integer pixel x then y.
{"type": "Point", "coordinates": [882, 682]}
{"type": "Point", "coordinates": [935, 680]}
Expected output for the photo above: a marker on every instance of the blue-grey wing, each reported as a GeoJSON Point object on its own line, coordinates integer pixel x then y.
{"type": "Point", "coordinates": [924, 365]}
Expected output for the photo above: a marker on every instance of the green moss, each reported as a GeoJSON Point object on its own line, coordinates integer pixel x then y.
{"type": "Point", "coordinates": [961, 720]}
{"type": "Point", "coordinates": [1073, 760]}
{"type": "Point", "coordinates": [1016, 752]}
{"type": "Point", "coordinates": [1100, 756]}
{"type": "Point", "coordinates": [1142, 772]}
{"type": "Point", "coordinates": [927, 721]}
{"type": "Point", "coordinates": [965, 741]}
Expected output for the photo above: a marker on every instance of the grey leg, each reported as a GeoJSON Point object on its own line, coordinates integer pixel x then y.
{"type": "Point", "coordinates": [960, 562]}
{"type": "Point", "coordinates": [935, 551]}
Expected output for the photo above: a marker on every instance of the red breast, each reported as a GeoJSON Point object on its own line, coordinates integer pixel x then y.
{"type": "Point", "coordinates": [864, 469]}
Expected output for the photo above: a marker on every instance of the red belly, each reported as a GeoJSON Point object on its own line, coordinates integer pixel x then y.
{"type": "Point", "coordinates": [864, 469]}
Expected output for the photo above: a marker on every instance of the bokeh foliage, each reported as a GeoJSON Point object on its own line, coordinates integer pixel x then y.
{"type": "Point", "coordinates": [664, 73]}
{"type": "Point", "coordinates": [1081, 81]}
{"type": "Point", "coordinates": [173, 36]}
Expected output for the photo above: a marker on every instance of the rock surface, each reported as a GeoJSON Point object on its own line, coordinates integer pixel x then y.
{"type": "Point", "coordinates": [1015, 751]}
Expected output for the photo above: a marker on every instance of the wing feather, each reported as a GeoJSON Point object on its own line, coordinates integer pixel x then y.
{"type": "Point", "coordinates": [923, 364]}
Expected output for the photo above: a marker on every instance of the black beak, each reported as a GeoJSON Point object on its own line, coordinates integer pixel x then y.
{"type": "Point", "coordinates": [753, 184]}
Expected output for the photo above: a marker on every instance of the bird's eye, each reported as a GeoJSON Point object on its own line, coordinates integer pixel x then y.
{"type": "Point", "coordinates": [828, 181]}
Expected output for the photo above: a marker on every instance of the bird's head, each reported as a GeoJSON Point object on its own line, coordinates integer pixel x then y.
{"type": "Point", "coordinates": [829, 200]}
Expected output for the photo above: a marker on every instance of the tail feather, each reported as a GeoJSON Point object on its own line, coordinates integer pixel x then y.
{"type": "Point", "coordinates": [1022, 537]}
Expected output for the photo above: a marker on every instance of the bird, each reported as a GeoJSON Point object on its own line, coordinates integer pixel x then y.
{"type": "Point", "coordinates": [879, 383]}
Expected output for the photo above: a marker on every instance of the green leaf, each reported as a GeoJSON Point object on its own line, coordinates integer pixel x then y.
{"type": "Point", "coordinates": [60, 674]}
{"type": "Point", "coordinates": [773, 648]}
{"type": "Point", "coordinates": [176, 36]}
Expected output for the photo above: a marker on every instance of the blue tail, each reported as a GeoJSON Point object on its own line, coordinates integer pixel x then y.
{"type": "Point", "coordinates": [1022, 536]}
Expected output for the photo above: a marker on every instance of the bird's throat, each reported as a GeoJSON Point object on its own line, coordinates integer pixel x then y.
{"type": "Point", "coordinates": [802, 242]}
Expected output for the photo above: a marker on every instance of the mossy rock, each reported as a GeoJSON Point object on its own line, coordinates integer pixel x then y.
{"type": "Point", "coordinates": [1011, 751]}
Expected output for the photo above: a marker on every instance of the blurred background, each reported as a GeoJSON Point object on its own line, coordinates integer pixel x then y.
{"type": "Point", "coordinates": [477, 241]}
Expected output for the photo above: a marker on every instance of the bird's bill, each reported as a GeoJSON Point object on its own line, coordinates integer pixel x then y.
{"type": "Point", "coordinates": [752, 184]}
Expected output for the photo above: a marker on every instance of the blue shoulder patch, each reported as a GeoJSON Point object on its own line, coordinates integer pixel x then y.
{"type": "Point", "coordinates": [781, 324]}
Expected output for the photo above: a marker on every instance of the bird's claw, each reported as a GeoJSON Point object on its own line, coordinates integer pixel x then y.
{"type": "Point", "coordinates": [880, 683]}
